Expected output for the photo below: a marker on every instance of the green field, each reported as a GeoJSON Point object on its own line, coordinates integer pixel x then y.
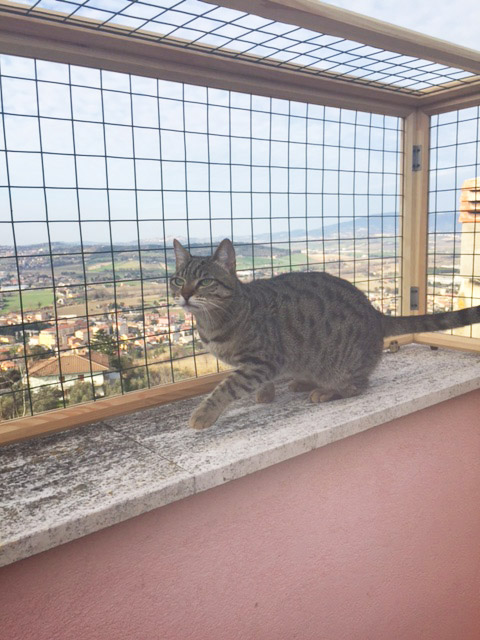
{"type": "Point", "coordinates": [126, 265]}
{"type": "Point", "coordinates": [31, 300]}
{"type": "Point", "coordinates": [265, 262]}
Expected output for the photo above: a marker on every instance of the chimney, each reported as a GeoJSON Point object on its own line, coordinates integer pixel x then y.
{"type": "Point", "coordinates": [469, 292]}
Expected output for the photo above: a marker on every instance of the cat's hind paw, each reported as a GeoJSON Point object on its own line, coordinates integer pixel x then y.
{"type": "Point", "coordinates": [266, 393]}
{"type": "Point", "coordinates": [319, 395]}
{"type": "Point", "coordinates": [324, 395]}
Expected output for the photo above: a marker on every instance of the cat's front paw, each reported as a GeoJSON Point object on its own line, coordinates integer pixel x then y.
{"type": "Point", "coordinates": [203, 417]}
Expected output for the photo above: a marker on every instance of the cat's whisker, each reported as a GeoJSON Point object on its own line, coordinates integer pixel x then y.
{"type": "Point", "coordinates": [209, 313]}
{"type": "Point", "coordinates": [225, 310]}
{"type": "Point", "coordinates": [204, 309]}
{"type": "Point", "coordinates": [214, 313]}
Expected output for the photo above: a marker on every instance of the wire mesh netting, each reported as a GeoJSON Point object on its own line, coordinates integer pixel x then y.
{"type": "Point", "coordinates": [227, 32]}
{"type": "Point", "coordinates": [454, 222]}
{"type": "Point", "coordinates": [100, 171]}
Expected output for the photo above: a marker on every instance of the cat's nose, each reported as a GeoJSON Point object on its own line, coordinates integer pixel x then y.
{"type": "Point", "coordinates": [187, 293]}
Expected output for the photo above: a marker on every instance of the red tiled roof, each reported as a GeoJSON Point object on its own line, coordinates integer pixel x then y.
{"type": "Point", "coordinates": [68, 364]}
{"type": "Point", "coordinates": [99, 358]}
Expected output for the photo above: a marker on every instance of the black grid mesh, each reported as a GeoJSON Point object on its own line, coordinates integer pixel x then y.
{"type": "Point", "coordinates": [228, 32]}
{"type": "Point", "coordinates": [453, 235]}
{"type": "Point", "coordinates": [100, 171]}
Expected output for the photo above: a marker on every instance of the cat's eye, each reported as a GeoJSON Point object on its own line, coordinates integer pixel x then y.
{"type": "Point", "coordinates": [206, 282]}
{"type": "Point", "coordinates": [177, 282]}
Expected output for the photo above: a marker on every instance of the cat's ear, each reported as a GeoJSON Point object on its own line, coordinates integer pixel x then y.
{"type": "Point", "coordinates": [225, 256]}
{"type": "Point", "coordinates": [181, 254]}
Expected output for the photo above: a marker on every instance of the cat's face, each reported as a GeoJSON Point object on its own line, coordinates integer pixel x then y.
{"type": "Point", "coordinates": [204, 283]}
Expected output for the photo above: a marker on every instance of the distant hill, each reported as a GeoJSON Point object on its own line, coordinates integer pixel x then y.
{"type": "Point", "coordinates": [361, 226]}
{"type": "Point", "coordinates": [346, 228]}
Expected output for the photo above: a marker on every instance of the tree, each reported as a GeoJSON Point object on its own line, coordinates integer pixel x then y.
{"type": "Point", "coordinates": [134, 351]}
{"type": "Point", "coordinates": [16, 405]}
{"type": "Point", "coordinates": [80, 392]}
{"type": "Point", "coordinates": [113, 388]}
{"type": "Point", "coordinates": [8, 407]}
{"type": "Point", "coordinates": [46, 399]}
{"type": "Point", "coordinates": [9, 378]}
{"type": "Point", "coordinates": [104, 343]}
{"type": "Point", "coordinates": [14, 398]}
{"type": "Point", "coordinates": [134, 378]}
{"type": "Point", "coordinates": [37, 352]}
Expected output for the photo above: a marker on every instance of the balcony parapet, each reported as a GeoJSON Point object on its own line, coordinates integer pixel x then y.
{"type": "Point", "coordinates": [62, 487]}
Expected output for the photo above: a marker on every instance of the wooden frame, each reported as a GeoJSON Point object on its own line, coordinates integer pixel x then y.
{"type": "Point", "coordinates": [325, 18]}
{"type": "Point", "coordinates": [415, 211]}
{"type": "Point", "coordinates": [56, 42]}
{"type": "Point", "coordinates": [60, 42]}
{"type": "Point", "coordinates": [450, 100]}
{"type": "Point", "coordinates": [448, 341]}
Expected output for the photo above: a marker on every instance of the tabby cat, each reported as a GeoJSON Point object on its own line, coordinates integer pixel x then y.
{"type": "Point", "coordinates": [315, 328]}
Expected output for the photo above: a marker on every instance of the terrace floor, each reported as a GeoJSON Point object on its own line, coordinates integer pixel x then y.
{"type": "Point", "coordinates": [58, 488]}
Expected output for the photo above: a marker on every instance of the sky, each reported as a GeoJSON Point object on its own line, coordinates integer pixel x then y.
{"type": "Point", "coordinates": [309, 161]}
{"type": "Point", "coordinates": [456, 22]}
{"type": "Point", "coordinates": [39, 117]}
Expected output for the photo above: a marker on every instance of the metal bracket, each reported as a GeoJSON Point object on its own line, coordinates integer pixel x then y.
{"type": "Point", "coordinates": [394, 347]}
{"type": "Point", "coordinates": [413, 298]}
{"type": "Point", "coordinates": [417, 157]}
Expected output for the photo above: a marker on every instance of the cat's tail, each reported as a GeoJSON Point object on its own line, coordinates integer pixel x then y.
{"type": "Point", "coordinates": [395, 326]}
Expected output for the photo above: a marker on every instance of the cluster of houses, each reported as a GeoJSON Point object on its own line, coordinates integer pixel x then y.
{"type": "Point", "coordinates": [68, 339]}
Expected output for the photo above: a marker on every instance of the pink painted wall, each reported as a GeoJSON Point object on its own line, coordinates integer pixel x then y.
{"type": "Point", "coordinates": [376, 537]}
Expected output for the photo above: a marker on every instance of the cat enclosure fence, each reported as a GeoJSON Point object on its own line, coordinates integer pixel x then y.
{"type": "Point", "coordinates": [313, 137]}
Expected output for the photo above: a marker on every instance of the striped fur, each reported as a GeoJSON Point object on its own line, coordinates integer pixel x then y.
{"type": "Point", "coordinates": [317, 329]}
{"type": "Point", "coordinates": [432, 322]}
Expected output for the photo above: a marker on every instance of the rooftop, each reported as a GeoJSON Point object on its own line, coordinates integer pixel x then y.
{"type": "Point", "coordinates": [69, 363]}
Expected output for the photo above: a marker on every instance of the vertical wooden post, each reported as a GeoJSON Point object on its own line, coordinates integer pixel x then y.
{"type": "Point", "coordinates": [416, 146]}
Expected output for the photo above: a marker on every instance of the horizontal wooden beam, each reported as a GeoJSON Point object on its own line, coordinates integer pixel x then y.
{"type": "Point", "coordinates": [461, 96]}
{"type": "Point", "coordinates": [78, 415]}
{"type": "Point", "coordinates": [116, 51]}
{"type": "Point", "coordinates": [325, 18]}
{"type": "Point", "coordinates": [460, 343]}
{"type": "Point", "coordinates": [60, 42]}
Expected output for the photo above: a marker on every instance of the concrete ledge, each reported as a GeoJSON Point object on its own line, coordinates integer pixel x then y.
{"type": "Point", "coordinates": [59, 488]}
